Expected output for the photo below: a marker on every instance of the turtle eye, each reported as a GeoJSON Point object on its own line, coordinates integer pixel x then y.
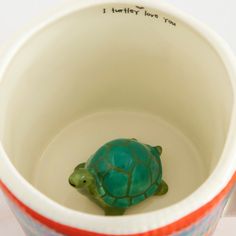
{"type": "Point", "coordinates": [84, 181]}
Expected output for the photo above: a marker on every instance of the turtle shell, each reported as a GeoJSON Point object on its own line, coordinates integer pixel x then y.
{"type": "Point", "coordinates": [126, 172]}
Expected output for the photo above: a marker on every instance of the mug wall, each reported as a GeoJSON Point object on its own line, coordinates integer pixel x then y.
{"type": "Point", "coordinates": [91, 61]}
{"type": "Point", "coordinates": [197, 224]}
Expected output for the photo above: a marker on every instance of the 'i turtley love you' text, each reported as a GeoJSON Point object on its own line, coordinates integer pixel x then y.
{"type": "Point", "coordinates": [138, 11]}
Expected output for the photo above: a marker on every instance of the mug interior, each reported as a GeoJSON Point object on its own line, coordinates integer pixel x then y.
{"type": "Point", "coordinates": [113, 71]}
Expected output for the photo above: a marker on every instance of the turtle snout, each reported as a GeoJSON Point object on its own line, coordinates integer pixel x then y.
{"type": "Point", "coordinates": [73, 180]}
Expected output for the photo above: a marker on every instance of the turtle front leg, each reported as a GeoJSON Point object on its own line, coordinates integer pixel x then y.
{"type": "Point", "coordinates": [81, 165]}
{"type": "Point", "coordinates": [162, 189]}
{"type": "Point", "coordinates": [110, 211]}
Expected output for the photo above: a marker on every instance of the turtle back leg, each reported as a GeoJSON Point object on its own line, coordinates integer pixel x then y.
{"type": "Point", "coordinates": [159, 149]}
{"type": "Point", "coordinates": [162, 189]}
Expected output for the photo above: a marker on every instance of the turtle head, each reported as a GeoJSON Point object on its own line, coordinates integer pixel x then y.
{"type": "Point", "coordinates": [81, 178]}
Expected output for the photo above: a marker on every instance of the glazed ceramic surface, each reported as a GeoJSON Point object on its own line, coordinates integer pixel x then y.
{"type": "Point", "coordinates": [97, 70]}
{"type": "Point", "coordinates": [121, 173]}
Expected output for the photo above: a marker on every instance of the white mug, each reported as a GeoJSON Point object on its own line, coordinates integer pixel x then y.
{"type": "Point", "coordinates": [97, 70]}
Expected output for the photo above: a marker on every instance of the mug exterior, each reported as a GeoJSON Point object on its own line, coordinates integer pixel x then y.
{"type": "Point", "coordinates": [200, 221]}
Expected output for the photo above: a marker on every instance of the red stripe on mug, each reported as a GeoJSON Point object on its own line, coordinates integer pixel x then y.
{"type": "Point", "coordinates": [166, 230]}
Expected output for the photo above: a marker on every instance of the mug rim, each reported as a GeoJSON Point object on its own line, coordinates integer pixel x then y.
{"type": "Point", "coordinates": [128, 224]}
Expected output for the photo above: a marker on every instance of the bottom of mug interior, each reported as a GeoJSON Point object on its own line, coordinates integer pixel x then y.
{"type": "Point", "coordinates": [80, 139]}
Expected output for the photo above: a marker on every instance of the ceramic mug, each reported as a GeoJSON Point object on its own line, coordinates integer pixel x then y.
{"type": "Point", "coordinates": [97, 70]}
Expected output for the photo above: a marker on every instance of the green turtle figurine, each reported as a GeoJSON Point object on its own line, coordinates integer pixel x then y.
{"type": "Point", "coordinates": [120, 174]}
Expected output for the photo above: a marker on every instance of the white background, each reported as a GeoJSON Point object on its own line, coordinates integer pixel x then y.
{"type": "Point", "coordinates": [15, 14]}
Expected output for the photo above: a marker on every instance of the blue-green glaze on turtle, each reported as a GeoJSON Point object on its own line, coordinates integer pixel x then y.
{"type": "Point", "coordinates": [121, 173]}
